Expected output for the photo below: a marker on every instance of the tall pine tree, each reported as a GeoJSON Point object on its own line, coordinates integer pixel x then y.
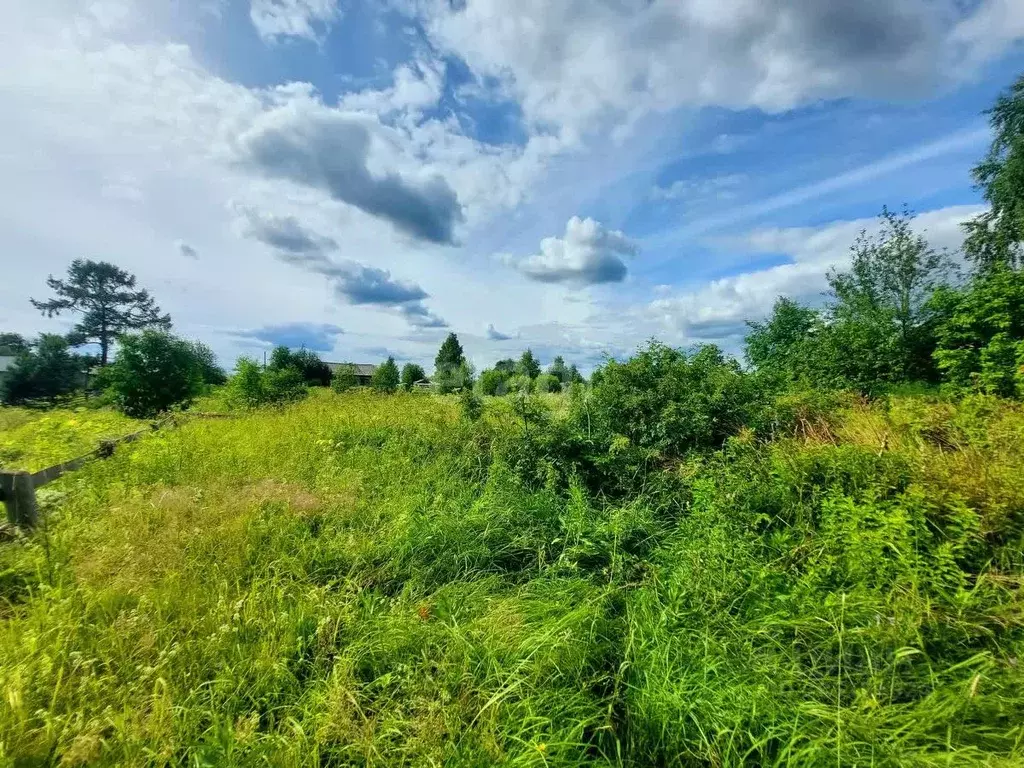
{"type": "Point", "coordinates": [106, 298]}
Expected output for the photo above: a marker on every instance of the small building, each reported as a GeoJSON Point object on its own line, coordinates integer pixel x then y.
{"type": "Point", "coordinates": [362, 371]}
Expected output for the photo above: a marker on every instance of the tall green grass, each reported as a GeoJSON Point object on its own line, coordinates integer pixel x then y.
{"type": "Point", "coordinates": [367, 580]}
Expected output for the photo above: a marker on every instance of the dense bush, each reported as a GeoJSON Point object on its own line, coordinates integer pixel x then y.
{"type": "Point", "coordinates": [253, 386]}
{"type": "Point", "coordinates": [152, 373]}
{"type": "Point", "coordinates": [43, 371]}
{"type": "Point", "coordinates": [493, 381]}
{"type": "Point", "coordinates": [386, 377]}
{"type": "Point", "coordinates": [314, 371]}
{"type": "Point", "coordinates": [344, 378]}
{"type": "Point", "coordinates": [411, 373]}
{"type": "Point", "coordinates": [547, 382]}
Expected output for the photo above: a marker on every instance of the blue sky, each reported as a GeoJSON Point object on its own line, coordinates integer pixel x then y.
{"type": "Point", "coordinates": [571, 175]}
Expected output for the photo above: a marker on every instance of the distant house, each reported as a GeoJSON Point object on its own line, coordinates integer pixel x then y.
{"type": "Point", "coordinates": [363, 371]}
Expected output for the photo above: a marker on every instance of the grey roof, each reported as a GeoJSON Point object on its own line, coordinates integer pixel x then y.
{"type": "Point", "coordinates": [361, 369]}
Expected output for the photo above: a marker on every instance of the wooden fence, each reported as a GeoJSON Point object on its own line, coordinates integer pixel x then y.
{"type": "Point", "coordinates": [18, 488]}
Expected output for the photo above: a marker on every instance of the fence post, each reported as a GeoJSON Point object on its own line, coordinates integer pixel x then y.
{"type": "Point", "coordinates": [19, 495]}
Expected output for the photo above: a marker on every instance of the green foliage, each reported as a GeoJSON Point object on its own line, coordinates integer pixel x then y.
{"type": "Point", "coordinates": [528, 365]}
{"type": "Point", "coordinates": [13, 344]}
{"type": "Point", "coordinates": [520, 383]}
{"type": "Point", "coordinates": [385, 377]}
{"type": "Point", "coordinates": [506, 366]}
{"type": "Point", "coordinates": [252, 386]}
{"type": "Point", "coordinates": [450, 359]}
{"type": "Point", "coordinates": [548, 382]}
{"type": "Point", "coordinates": [32, 439]}
{"type": "Point", "coordinates": [43, 371]}
{"type": "Point", "coordinates": [212, 373]}
{"type": "Point", "coordinates": [472, 406]}
{"type": "Point", "coordinates": [153, 372]}
{"type": "Point", "coordinates": [783, 346]}
{"type": "Point", "coordinates": [667, 402]}
{"type": "Point", "coordinates": [453, 379]}
{"type": "Point", "coordinates": [980, 333]}
{"type": "Point", "coordinates": [995, 238]}
{"type": "Point", "coordinates": [344, 378]}
{"type": "Point", "coordinates": [314, 371]}
{"type": "Point", "coordinates": [106, 298]}
{"type": "Point", "coordinates": [493, 381]}
{"type": "Point", "coordinates": [411, 373]}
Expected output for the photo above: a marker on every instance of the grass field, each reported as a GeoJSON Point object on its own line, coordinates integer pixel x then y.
{"type": "Point", "coordinates": [32, 439]}
{"type": "Point", "coordinates": [369, 580]}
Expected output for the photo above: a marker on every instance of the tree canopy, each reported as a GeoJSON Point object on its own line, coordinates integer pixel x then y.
{"type": "Point", "coordinates": [106, 298]}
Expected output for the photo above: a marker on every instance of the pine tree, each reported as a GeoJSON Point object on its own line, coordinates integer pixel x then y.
{"type": "Point", "coordinates": [106, 297]}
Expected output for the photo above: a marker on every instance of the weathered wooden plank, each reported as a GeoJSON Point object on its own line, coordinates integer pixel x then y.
{"type": "Point", "coordinates": [19, 496]}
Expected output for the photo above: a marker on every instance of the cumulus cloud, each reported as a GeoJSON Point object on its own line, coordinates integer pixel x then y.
{"type": "Point", "coordinates": [327, 149]}
{"type": "Point", "coordinates": [368, 285]}
{"type": "Point", "coordinates": [719, 310]}
{"type": "Point", "coordinates": [276, 19]}
{"type": "Point", "coordinates": [571, 63]}
{"type": "Point", "coordinates": [495, 335]}
{"type": "Point", "coordinates": [187, 250]}
{"type": "Point", "coordinates": [587, 254]}
{"type": "Point", "coordinates": [320, 337]}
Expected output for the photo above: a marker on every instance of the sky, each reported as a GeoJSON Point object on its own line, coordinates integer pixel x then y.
{"type": "Point", "coordinates": [573, 176]}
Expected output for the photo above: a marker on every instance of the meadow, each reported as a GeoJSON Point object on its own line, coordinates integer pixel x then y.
{"type": "Point", "coordinates": [361, 579]}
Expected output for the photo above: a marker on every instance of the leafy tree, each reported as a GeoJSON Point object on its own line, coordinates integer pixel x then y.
{"type": "Point", "coordinates": [559, 370]}
{"type": "Point", "coordinates": [454, 379]}
{"type": "Point", "coordinates": [781, 346]}
{"type": "Point", "coordinates": [252, 386]}
{"type": "Point", "coordinates": [280, 358]}
{"type": "Point", "coordinates": [344, 378]}
{"type": "Point", "coordinates": [548, 382]}
{"type": "Point", "coordinates": [996, 237]}
{"type": "Point", "coordinates": [980, 334]}
{"type": "Point", "coordinates": [43, 371]}
{"type": "Point", "coordinates": [13, 344]}
{"type": "Point", "coordinates": [521, 384]}
{"type": "Point", "coordinates": [528, 365]}
{"type": "Point", "coordinates": [879, 329]}
{"type": "Point", "coordinates": [153, 372]}
{"type": "Point", "coordinates": [385, 377]}
{"type": "Point", "coordinates": [472, 407]}
{"type": "Point", "coordinates": [211, 372]}
{"type": "Point", "coordinates": [109, 304]}
{"type": "Point", "coordinates": [411, 373]}
{"type": "Point", "coordinates": [507, 366]}
{"type": "Point", "coordinates": [493, 382]}
{"type": "Point", "coordinates": [574, 376]}
{"type": "Point", "coordinates": [314, 371]}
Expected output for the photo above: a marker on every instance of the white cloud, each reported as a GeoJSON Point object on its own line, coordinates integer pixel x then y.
{"type": "Point", "coordinates": [719, 309]}
{"type": "Point", "coordinates": [718, 187]}
{"type": "Point", "coordinates": [577, 64]}
{"type": "Point", "coordinates": [276, 19]}
{"type": "Point", "coordinates": [587, 254]}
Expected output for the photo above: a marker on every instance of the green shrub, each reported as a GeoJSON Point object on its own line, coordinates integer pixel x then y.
{"type": "Point", "coordinates": [153, 372]}
{"type": "Point", "coordinates": [253, 386]}
{"type": "Point", "coordinates": [411, 373]}
{"type": "Point", "coordinates": [547, 382]}
{"type": "Point", "coordinates": [493, 382]}
{"type": "Point", "coordinates": [44, 371]}
{"type": "Point", "coordinates": [344, 378]}
{"type": "Point", "coordinates": [313, 370]}
{"type": "Point", "coordinates": [385, 377]}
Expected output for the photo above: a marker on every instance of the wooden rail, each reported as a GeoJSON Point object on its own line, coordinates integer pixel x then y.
{"type": "Point", "coordinates": [18, 488]}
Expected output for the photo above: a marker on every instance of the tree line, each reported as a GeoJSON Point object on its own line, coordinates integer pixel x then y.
{"type": "Point", "coordinates": [903, 313]}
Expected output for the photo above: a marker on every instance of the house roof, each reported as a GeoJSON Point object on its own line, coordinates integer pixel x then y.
{"type": "Point", "coordinates": [361, 369]}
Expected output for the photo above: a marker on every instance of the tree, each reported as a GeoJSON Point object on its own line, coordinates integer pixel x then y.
{"type": "Point", "coordinates": [211, 372]}
{"type": "Point", "coordinates": [450, 355]}
{"type": "Point", "coordinates": [507, 366]}
{"type": "Point", "coordinates": [996, 237]}
{"type": "Point", "coordinates": [43, 371]}
{"type": "Point", "coordinates": [411, 373]}
{"type": "Point", "coordinates": [385, 377]}
{"type": "Point", "coordinates": [548, 382]}
{"type": "Point", "coordinates": [280, 358]}
{"type": "Point", "coordinates": [344, 378]}
{"type": "Point", "coordinates": [574, 375]}
{"type": "Point", "coordinates": [879, 327]}
{"type": "Point", "coordinates": [153, 372]}
{"type": "Point", "coordinates": [493, 382]}
{"type": "Point", "coordinates": [454, 379]}
{"type": "Point", "coordinates": [559, 370]}
{"type": "Point", "coordinates": [781, 345]}
{"type": "Point", "coordinates": [980, 333]}
{"type": "Point", "coordinates": [252, 386]}
{"type": "Point", "coordinates": [13, 344]}
{"type": "Point", "coordinates": [315, 371]}
{"type": "Point", "coordinates": [108, 302]}
{"type": "Point", "coordinates": [528, 365]}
